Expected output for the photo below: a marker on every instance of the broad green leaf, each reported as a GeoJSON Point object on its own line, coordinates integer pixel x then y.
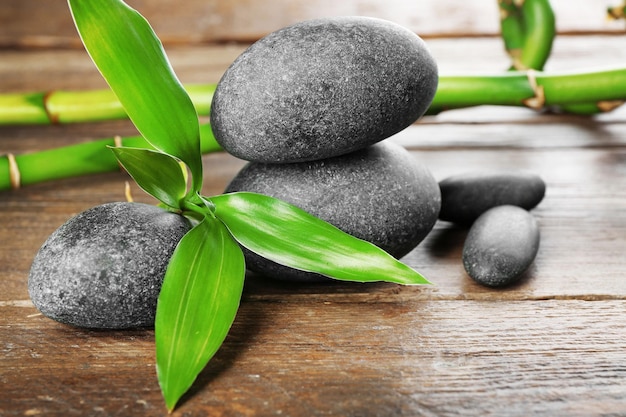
{"type": "Point", "coordinates": [197, 305]}
{"type": "Point", "coordinates": [132, 60]}
{"type": "Point", "coordinates": [290, 236]}
{"type": "Point", "coordinates": [159, 174]}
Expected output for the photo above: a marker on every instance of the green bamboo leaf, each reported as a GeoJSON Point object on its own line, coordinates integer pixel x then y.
{"type": "Point", "coordinates": [197, 305]}
{"type": "Point", "coordinates": [290, 236]}
{"type": "Point", "coordinates": [159, 174]}
{"type": "Point", "coordinates": [132, 60]}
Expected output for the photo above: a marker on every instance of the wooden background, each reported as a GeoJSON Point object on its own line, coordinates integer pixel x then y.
{"type": "Point", "coordinates": [552, 345]}
{"type": "Point", "coordinates": [29, 23]}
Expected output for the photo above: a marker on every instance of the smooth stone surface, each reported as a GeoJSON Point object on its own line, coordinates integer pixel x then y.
{"type": "Point", "coordinates": [465, 197]}
{"type": "Point", "coordinates": [322, 88]}
{"type": "Point", "coordinates": [104, 267]}
{"type": "Point", "coordinates": [501, 245]}
{"type": "Point", "coordinates": [381, 194]}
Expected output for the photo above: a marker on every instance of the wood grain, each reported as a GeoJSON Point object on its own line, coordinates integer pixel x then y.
{"type": "Point", "coordinates": [26, 24]}
{"type": "Point", "coordinates": [367, 357]}
{"type": "Point", "coordinates": [551, 345]}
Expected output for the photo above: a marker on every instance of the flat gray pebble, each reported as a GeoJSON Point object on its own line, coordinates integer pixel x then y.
{"type": "Point", "coordinates": [464, 197]}
{"type": "Point", "coordinates": [104, 267]}
{"type": "Point", "coordinates": [322, 88]}
{"type": "Point", "coordinates": [501, 245]}
{"type": "Point", "coordinates": [381, 194]}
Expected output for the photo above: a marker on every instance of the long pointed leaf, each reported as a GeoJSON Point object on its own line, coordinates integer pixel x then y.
{"type": "Point", "coordinates": [158, 174]}
{"type": "Point", "coordinates": [132, 60]}
{"type": "Point", "coordinates": [290, 236]}
{"type": "Point", "coordinates": [197, 305]}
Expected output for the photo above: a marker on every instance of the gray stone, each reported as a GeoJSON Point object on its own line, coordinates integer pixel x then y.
{"type": "Point", "coordinates": [464, 197]}
{"type": "Point", "coordinates": [104, 267]}
{"type": "Point", "coordinates": [322, 88]}
{"type": "Point", "coordinates": [501, 245]}
{"type": "Point", "coordinates": [380, 194]}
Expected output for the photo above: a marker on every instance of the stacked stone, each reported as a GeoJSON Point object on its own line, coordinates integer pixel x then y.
{"type": "Point", "coordinates": [310, 106]}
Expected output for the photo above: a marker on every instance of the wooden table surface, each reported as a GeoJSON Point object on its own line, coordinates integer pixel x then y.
{"type": "Point", "coordinates": [553, 345]}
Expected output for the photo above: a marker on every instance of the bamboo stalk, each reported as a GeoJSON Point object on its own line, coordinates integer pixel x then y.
{"type": "Point", "coordinates": [27, 108]}
{"type": "Point", "coordinates": [506, 89]}
{"type": "Point", "coordinates": [80, 106]}
{"type": "Point", "coordinates": [534, 89]}
{"type": "Point", "coordinates": [75, 160]}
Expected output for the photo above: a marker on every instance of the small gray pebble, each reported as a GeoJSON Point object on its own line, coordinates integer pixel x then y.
{"type": "Point", "coordinates": [501, 244]}
{"type": "Point", "coordinates": [322, 88]}
{"type": "Point", "coordinates": [380, 194]}
{"type": "Point", "coordinates": [104, 267]}
{"type": "Point", "coordinates": [464, 197]}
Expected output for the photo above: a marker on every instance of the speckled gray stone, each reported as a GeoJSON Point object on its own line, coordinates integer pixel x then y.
{"type": "Point", "coordinates": [322, 88]}
{"type": "Point", "coordinates": [104, 267]}
{"type": "Point", "coordinates": [381, 194]}
{"type": "Point", "coordinates": [501, 244]}
{"type": "Point", "coordinates": [464, 197]}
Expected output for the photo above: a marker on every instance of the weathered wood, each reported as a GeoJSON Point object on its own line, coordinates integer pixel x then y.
{"type": "Point", "coordinates": [404, 356]}
{"type": "Point", "coordinates": [551, 345]}
{"type": "Point", "coordinates": [44, 70]}
{"type": "Point", "coordinates": [27, 23]}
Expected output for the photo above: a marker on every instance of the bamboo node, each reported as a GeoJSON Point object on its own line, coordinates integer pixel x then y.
{"type": "Point", "coordinates": [609, 105]}
{"type": "Point", "coordinates": [14, 172]}
{"type": "Point", "coordinates": [516, 59]}
{"type": "Point", "coordinates": [539, 100]}
{"type": "Point", "coordinates": [52, 117]}
{"type": "Point", "coordinates": [616, 13]}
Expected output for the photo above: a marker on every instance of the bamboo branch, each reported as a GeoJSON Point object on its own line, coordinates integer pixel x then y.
{"type": "Point", "coordinates": [75, 160]}
{"type": "Point", "coordinates": [540, 30]}
{"type": "Point", "coordinates": [511, 30]}
{"type": "Point", "coordinates": [528, 29]}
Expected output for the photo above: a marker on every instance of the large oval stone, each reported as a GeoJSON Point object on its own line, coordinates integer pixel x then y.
{"type": "Point", "coordinates": [104, 267]}
{"type": "Point", "coordinates": [380, 194]}
{"type": "Point", "coordinates": [501, 244]}
{"type": "Point", "coordinates": [322, 88]}
{"type": "Point", "coordinates": [464, 197]}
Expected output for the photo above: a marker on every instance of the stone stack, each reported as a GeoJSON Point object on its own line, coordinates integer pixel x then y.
{"type": "Point", "coordinates": [310, 106]}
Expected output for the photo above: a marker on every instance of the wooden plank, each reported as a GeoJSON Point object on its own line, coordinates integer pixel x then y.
{"type": "Point", "coordinates": [44, 70]}
{"type": "Point", "coordinates": [404, 357]}
{"type": "Point", "coordinates": [582, 214]}
{"type": "Point", "coordinates": [25, 23]}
